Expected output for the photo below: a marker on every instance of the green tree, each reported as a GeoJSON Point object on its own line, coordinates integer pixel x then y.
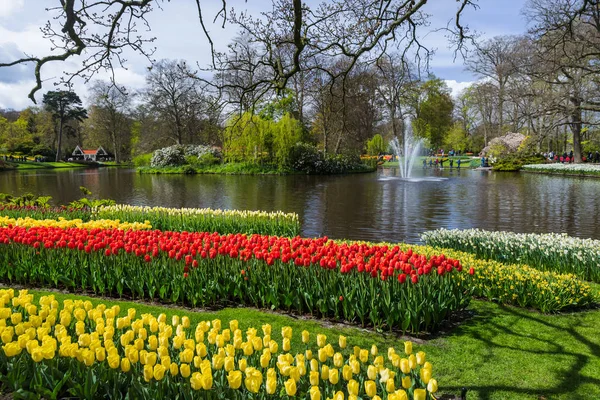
{"type": "Point", "coordinates": [376, 145]}
{"type": "Point", "coordinates": [65, 106]}
{"type": "Point", "coordinates": [457, 138]}
{"type": "Point", "coordinates": [434, 112]}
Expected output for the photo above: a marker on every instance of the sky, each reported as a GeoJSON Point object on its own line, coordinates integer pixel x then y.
{"type": "Point", "coordinates": [179, 36]}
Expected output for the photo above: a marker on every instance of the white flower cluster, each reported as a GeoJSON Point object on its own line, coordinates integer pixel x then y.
{"type": "Point", "coordinates": [175, 155]}
{"type": "Point", "coordinates": [583, 169]}
{"type": "Point", "coordinates": [189, 212]}
{"type": "Point", "coordinates": [551, 251]}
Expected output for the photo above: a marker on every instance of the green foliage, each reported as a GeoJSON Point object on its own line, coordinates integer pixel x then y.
{"type": "Point", "coordinates": [434, 113]}
{"type": "Point", "coordinates": [307, 158]}
{"type": "Point", "coordinates": [142, 160]}
{"type": "Point", "coordinates": [376, 145]}
{"type": "Point", "coordinates": [256, 139]}
{"type": "Point", "coordinates": [514, 162]}
{"type": "Point", "coordinates": [457, 138]}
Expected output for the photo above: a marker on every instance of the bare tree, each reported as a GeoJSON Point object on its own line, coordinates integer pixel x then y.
{"type": "Point", "coordinates": [351, 29]}
{"type": "Point", "coordinates": [496, 60]}
{"type": "Point", "coordinates": [110, 115]}
{"type": "Point", "coordinates": [397, 87]}
{"type": "Point", "coordinates": [174, 94]}
{"type": "Point", "coordinates": [567, 50]}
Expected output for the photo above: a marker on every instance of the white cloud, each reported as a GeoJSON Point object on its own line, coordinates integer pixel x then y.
{"type": "Point", "coordinates": [9, 7]}
{"type": "Point", "coordinates": [14, 95]}
{"type": "Point", "coordinates": [457, 87]}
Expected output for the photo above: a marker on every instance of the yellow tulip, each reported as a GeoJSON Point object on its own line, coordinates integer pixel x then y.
{"type": "Point", "coordinates": [184, 369]}
{"type": "Point", "coordinates": [432, 386]}
{"type": "Point", "coordinates": [364, 355]}
{"type": "Point", "coordinates": [428, 365]}
{"type": "Point", "coordinates": [421, 358]}
{"type": "Point", "coordinates": [321, 340]}
{"type": "Point", "coordinates": [290, 387]}
{"type": "Point", "coordinates": [314, 378]}
{"type": "Point", "coordinates": [114, 361]}
{"type": "Point", "coordinates": [374, 350]}
{"type": "Point", "coordinates": [342, 342]}
{"type": "Point", "coordinates": [100, 354]}
{"type": "Point", "coordinates": [235, 379]}
{"type": "Point", "coordinates": [174, 369]}
{"type": "Point", "coordinates": [196, 381]}
{"type": "Point", "coordinates": [12, 349]}
{"type": "Point", "coordinates": [372, 372]}
{"type": "Point", "coordinates": [233, 325]}
{"type": "Point", "coordinates": [207, 381]}
{"type": "Point", "coordinates": [370, 388]}
{"type": "Point", "coordinates": [159, 372]}
{"type": "Point", "coordinates": [36, 354]}
{"type": "Point", "coordinates": [353, 387]}
{"type": "Point", "coordinates": [404, 366]}
{"type": "Point", "coordinates": [406, 382]}
{"type": "Point", "coordinates": [148, 373]}
{"type": "Point", "coordinates": [286, 332]}
{"type": "Point", "coordinates": [339, 395]}
{"type": "Point", "coordinates": [420, 394]}
{"type": "Point", "coordinates": [390, 385]}
{"type": "Point", "coordinates": [334, 376]}
{"type": "Point", "coordinates": [286, 344]}
{"type": "Point", "coordinates": [271, 385]}
{"type": "Point", "coordinates": [425, 375]}
{"type": "Point", "coordinates": [315, 393]}
{"type": "Point", "coordinates": [412, 361]}
{"type": "Point", "coordinates": [125, 365]}
{"type": "Point", "coordinates": [305, 336]}
{"type": "Point", "coordinates": [338, 360]}
{"type": "Point", "coordinates": [347, 372]}
{"type": "Point", "coordinates": [242, 364]}
{"type": "Point", "coordinates": [325, 372]}
{"type": "Point", "coordinates": [408, 348]}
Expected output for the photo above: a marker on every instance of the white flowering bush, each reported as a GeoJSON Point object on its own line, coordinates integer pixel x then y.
{"type": "Point", "coordinates": [176, 155]}
{"type": "Point", "coordinates": [548, 252]}
{"type": "Point", "coordinates": [567, 169]}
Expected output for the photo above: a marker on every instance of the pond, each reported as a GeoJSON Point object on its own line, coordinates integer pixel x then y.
{"type": "Point", "coordinates": [373, 206]}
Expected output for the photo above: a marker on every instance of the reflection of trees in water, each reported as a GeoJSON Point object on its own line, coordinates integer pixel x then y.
{"type": "Point", "coordinates": [365, 206]}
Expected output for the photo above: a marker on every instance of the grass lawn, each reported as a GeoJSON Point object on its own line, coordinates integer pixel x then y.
{"type": "Point", "coordinates": [47, 165]}
{"type": "Point", "coordinates": [497, 353]}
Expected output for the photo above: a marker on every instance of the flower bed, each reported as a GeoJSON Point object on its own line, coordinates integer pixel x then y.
{"type": "Point", "coordinates": [519, 285]}
{"type": "Point", "coordinates": [74, 223]}
{"type": "Point", "coordinates": [565, 169]}
{"type": "Point", "coordinates": [547, 252]}
{"type": "Point", "coordinates": [88, 352]}
{"type": "Point", "coordinates": [206, 219]}
{"type": "Point", "coordinates": [375, 285]}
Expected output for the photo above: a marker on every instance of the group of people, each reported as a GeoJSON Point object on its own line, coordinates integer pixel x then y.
{"type": "Point", "coordinates": [439, 162]}
{"type": "Point", "coordinates": [566, 158]}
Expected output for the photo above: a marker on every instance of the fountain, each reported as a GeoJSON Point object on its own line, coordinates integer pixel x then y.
{"type": "Point", "coordinates": [408, 153]}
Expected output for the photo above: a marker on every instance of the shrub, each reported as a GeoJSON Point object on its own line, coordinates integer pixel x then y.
{"type": "Point", "coordinates": [183, 154]}
{"type": "Point", "coordinates": [143, 160]}
{"type": "Point", "coordinates": [168, 156]}
{"type": "Point", "coordinates": [306, 157]}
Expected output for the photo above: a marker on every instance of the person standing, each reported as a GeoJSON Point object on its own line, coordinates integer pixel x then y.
{"type": "Point", "coordinates": [458, 163]}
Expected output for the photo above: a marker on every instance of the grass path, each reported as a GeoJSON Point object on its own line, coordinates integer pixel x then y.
{"type": "Point", "coordinates": [497, 353]}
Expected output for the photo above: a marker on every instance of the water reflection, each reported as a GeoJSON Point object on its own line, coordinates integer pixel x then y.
{"type": "Point", "coordinates": [367, 206]}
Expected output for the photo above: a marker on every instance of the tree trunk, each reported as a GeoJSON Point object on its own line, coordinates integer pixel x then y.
{"type": "Point", "coordinates": [500, 107]}
{"type": "Point", "coordinates": [60, 132]}
{"type": "Point", "coordinates": [115, 146]}
{"type": "Point", "coordinates": [576, 126]}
